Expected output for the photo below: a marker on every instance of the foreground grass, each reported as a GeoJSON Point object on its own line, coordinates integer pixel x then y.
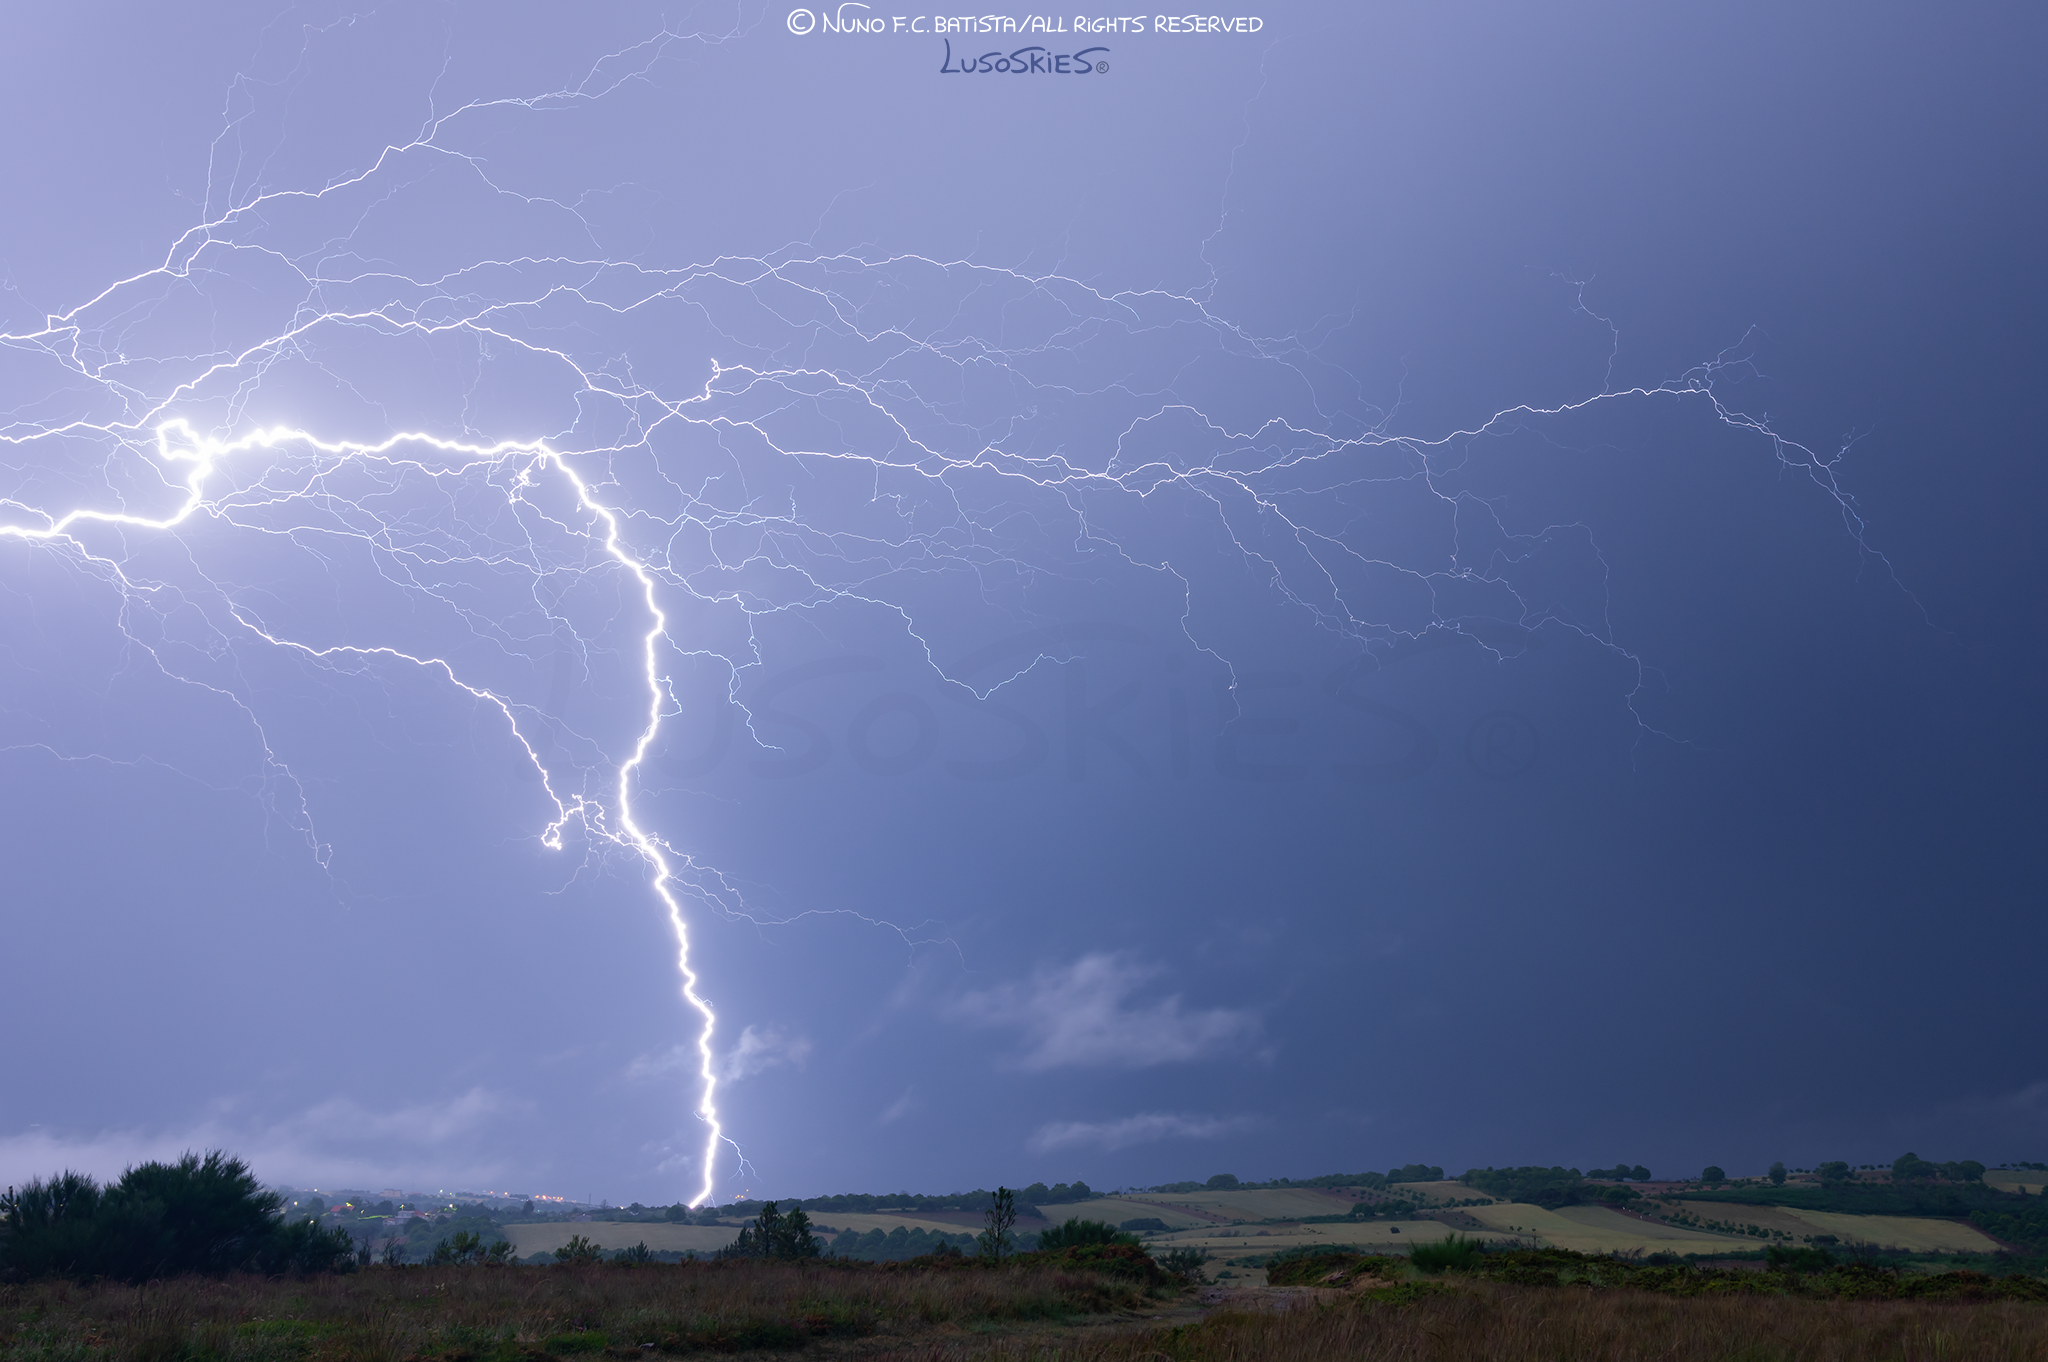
{"type": "Point", "coordinates": [1480, 1320]}
{"type": "Point", "coordinates": [1031, 1312]}
{"type": "Point", "coordinates": [518, 1314]}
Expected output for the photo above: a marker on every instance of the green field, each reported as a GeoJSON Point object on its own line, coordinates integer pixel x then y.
{"type": "Point", "coordinates": [610, 1235]}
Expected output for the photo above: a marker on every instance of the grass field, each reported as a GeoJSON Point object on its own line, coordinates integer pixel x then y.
{"type": "Point", "coordinates": [1214, 1208]}
{"type": "Point", "coordinates": [606, 1234]}
{"type": "Point", "coordinates": [1595, 1229]}
{"type": "Point", "coordinates": [2029, 1181]}
{"type": "Point", "coordinates": [1906, 1232]}
{"type": "Point", "coordinates": [1920, 1234]}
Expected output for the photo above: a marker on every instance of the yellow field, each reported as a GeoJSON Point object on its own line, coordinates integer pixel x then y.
{"type": "Point", "coordinates": [1595, 1229]}
{"type": "Point", "coordinates": [1781, 1218]}
{"type": "Point", "coordinates": [1899, 1231]}
{"type": "Point", "coordinates": [611, 1234]}
{"type": "Point", "coordinates": [1886, 1231]}
{"type": "Point", "coordinates": [2016, 1180]}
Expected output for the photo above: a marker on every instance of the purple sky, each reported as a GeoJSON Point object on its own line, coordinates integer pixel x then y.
{"type": "Point", "coordinates": [1445, 583]}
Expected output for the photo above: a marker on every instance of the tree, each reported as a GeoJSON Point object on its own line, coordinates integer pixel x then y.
{"type": "Point", "coordinates": [1713, 1173]}
{"type": "Point", "coordinates": [1639, 1174]}
{"type": "Point", "coordinates": [1001, 1219]}
{"type": "Point", "coordinates": [1416, 1172]}
{"type": "Point", "coordinates": [1777, 1174]}
{"type": "Point", "coordinates": [1222, 1182]}
{"type": "Point", "coordinates": [200, 1214]}
{"type": "Point", "coordinates": [579, 1250]}
{"type": "Point", "coordinates": [771, 1234]}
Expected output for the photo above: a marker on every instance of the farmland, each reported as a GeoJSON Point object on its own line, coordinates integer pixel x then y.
{"type": "Point", "coordinates": [610, 1235]}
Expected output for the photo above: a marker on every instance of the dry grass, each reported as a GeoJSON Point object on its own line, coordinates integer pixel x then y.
{"type": "Point", "coordinates": [1028, 1314]}
{"type": "Point", "coordinates": [508, 1314]}
{"type": "Point", "coordinates": [1557, 1325]}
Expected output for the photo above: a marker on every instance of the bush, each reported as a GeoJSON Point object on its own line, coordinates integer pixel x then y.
{"type": "Point", "coordinates": [1453, 1253]}
{"type": "Point", "coordinates": [1184, 1263]}
{"type": "Point", "coordinates": [1077, 1232]}
{"type": "Point", "coordinates": [1144, 1224]}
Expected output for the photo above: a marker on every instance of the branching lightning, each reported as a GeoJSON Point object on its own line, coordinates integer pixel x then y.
{"type": "Point", "coordinates": [1006, 428]}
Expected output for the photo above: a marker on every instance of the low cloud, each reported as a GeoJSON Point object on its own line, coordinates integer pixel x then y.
{"type": "Point", "coordinates": [761, 1050]}
{"type": "Point", "coordinates": [1083, 1016]}
{"type": "Point", "coordinates": [425, 1143]}
{"type": "Point", "coordinates": [1145, 1128]}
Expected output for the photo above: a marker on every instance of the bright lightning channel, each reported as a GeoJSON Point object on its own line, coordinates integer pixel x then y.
{"type": "Point", "coordinates": [1291, 493]}
{"type": "Point", "coordinates": [178, 444]}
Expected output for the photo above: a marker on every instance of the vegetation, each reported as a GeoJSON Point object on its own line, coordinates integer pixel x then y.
{"type": "Point", "coordinates": [997, 1239]}
{"type": "Point", "coordinates": [1452, 1253]}
{"type": "Point", "coordinates": [1415, 1320]}
{"type": "Point", "coordinates": [1077, 1232]}
{"type": "Point", "coordinates": [772, 1234]}
{"type": "Point", "coordinates": [2010, 1217]}
{"type": "Point", "coordinates": [896, 1245]}
{"type": "Point", "coordinates": [457, 1314]}
{"type": "Point", "coordinates": [197, 1215]}
{"type": "Point", "coordinates": [1621, 1172]}
{"type": "Point", "coordinates": [1546, 1187]}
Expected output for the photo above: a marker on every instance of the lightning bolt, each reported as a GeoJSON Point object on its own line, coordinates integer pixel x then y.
{"type": "Point", "coordinates": [820, 371]}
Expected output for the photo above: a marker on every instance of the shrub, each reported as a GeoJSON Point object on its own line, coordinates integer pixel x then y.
{"type": "Point", "coordinates": [1077, 1232]}
{"type": "Point", "coordinates": [1452, 1253]}
{"type": "Point", "coordinates": [1184, 1263]}
{"type": "Point", "coordinates": [1144, 1224]}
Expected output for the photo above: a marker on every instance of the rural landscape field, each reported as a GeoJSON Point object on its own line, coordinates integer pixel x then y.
{"type": "Point", "coordinates": [198, 1261]}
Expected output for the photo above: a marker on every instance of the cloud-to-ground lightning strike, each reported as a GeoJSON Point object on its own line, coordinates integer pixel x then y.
{"type": "Point", "coordinates": [1038, 431]}
{"type": "Point", "coordinates": [177, 444]}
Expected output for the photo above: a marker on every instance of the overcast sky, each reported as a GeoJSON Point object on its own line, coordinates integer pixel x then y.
{"type": "Point", "coordinates": [1444, 582]}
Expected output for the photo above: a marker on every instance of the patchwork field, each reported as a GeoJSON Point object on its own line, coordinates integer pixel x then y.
{"type": "Point", "coordinates": [612, 1234]}
{"type": "Point", "coordinates": [2029, 1181]}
